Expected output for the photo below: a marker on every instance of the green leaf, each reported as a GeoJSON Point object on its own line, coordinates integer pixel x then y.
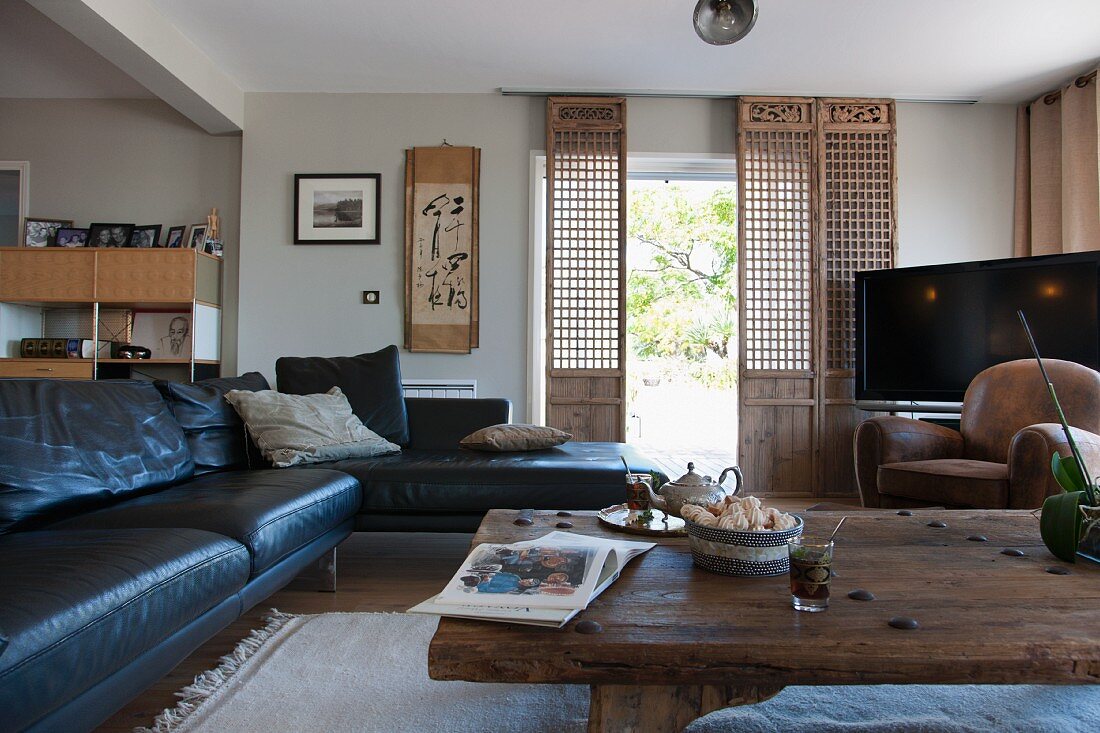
{"type": "Point", "coordinates": [1060, 524]}
{"type": "Point", "coordinates": [1067, 473]}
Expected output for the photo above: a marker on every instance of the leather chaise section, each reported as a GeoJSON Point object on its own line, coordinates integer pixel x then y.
{"type": "Point", "coordinates": [79, 605]}
{"type": "Point", "coordinates": [68, 446]}
{"type": "Point", "coordinates": [271, 512]}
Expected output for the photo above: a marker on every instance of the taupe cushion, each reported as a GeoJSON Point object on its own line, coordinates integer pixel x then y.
{"type": "Point", "coordinates": [958, 482]}
{"type": "Point", "coordinates": [514, 437]}
{"type": "Point", "coordinates": [293, 429]}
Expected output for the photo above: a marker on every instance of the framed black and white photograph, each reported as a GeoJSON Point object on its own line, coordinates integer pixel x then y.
{"type": "Point", "coordinates": [146, 237]}
{"type": "Point", "coordinates": [175, 237]}
{"type": "Point", "coordinates": [109, 235]}
{"type": "Point", "coordinates": [70, 237]}
{"type": "Point", "coordinates": [42, 232]}
{"type": "Point", "coordinates": [166, 335]}
{"type": "Point", "coordinates": [196, 237]}
{"type": "Point", "coordinates": [337, 208]}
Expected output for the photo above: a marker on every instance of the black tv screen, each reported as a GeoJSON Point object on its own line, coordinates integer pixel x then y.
{"type": "Point", "coordinates": [922, 333]}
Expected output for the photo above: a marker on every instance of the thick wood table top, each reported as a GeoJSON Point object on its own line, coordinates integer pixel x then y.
{"type": "Point", "coordinates": [985, 617]}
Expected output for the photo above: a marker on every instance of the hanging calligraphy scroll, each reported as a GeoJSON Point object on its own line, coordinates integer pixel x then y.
{"type": "Point", "coordinates": [441, 258]}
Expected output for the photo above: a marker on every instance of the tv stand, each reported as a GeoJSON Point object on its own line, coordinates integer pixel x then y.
{"type": "Point", "coordinates": [874, 406]}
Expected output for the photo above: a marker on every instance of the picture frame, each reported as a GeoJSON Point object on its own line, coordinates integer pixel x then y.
{"type": "Point", "coordinates": [167, 334]}
{"type": "Point", "coordinates": [337, 208]}
{"type": "Point", "coordinates": [71, 237]}
{"type": "Point", "coordinates": [146, 237]}
{"type": "Point", "coordinates": [38, 232]}
{"type": "Point", "coordinates": [102, 234]}
{"type": "Point", "coordinates": [196, 237]}
{"type": "Point", "coordinates": [174, 240]}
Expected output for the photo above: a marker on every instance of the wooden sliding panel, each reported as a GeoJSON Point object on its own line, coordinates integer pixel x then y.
{"type": "Point", "coordinates": [776, 146]}
{"type": "Point", "coordinates": [585, 267]}
{"type": "Point", "coordinates": [858, 213]}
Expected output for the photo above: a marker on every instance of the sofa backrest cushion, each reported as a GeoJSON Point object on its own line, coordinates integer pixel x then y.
{"type": "Point", "coordinates": [71, 446]}
{"type": "Point", "coordinates": [213, 428]}
{"type": "Point", "coordinates": [371, 382]}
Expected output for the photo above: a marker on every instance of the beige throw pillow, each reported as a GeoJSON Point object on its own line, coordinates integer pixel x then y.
{"type": "Point", "coordinates": [514, 437]}
{"type": "Point", "coordinates": [292, 429]}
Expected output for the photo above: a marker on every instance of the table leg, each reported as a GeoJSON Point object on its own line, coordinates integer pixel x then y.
{"type": "Point", "coordinates": [664, 709]}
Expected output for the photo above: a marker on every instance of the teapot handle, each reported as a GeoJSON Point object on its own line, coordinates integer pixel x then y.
{"type": "Point", "coordinates": [737, 474]}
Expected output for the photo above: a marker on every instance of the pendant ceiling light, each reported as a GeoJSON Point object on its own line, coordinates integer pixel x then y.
{"type": "Point", "coordinates": [721, 22]}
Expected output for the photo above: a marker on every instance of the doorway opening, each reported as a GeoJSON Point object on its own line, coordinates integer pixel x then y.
{"type": "Point", "coordinates": [681, 305]}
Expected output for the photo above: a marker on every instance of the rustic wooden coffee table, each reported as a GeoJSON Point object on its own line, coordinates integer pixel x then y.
{"type": "Point", "coordinates": [679, 642]}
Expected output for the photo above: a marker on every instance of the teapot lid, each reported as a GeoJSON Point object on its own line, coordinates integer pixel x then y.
{"type": "Point", "coordinates": [693, 479]}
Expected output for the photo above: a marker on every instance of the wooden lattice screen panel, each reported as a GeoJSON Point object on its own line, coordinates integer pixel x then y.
{"type": "Point", "coordinates": [585, 269]}
{"type": "Point", "coordinates": [817, 204]}
{"type": "Point", "coordinates": [858, 201]}
{"type": "Point", "coordinates": [776, 148]}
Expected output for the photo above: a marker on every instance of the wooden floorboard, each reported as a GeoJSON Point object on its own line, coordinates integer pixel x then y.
{"type": "Point", "coordinates": [376, 571]}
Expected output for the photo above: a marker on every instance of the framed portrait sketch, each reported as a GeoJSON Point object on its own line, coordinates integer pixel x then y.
{"type": "Point", "coordinates": [42, 232]}
{"type": "Point", "coordinates": [196, 238]}
{"type": "Point", "coordinates": [109, 235]}
{"type": "Point", "coordinates": [175, 237]}
{"type": "Point", "coordinates": [166, 335]}
{"type": "Point", "coordinates": [337, 208]}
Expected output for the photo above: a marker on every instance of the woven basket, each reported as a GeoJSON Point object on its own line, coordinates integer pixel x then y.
{"type": "Point", "coordinates": [746, 554]}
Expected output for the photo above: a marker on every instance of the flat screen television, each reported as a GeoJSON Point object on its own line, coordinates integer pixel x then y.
{"type": "Point", "coordinates": [922, 333]}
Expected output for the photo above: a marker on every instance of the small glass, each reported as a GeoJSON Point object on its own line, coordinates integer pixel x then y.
{"type": "Point", "coordinates": [811, 570]}
{"type": "Point", "coordinates": [638, 491]}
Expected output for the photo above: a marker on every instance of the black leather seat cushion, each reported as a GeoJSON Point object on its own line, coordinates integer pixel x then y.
{"type": "Point", "coordinates": [214, 430]}
{"type": "Point", "coordinates": [571, 476]}
{"type": "Point", "coordinates": [79, 605]}
{"type": "Point", "coordinates": [68, 446]}
{"type": "Point", "coordinates": [371, 382]}
{"type": "Point", "coordinates": [271, 512]}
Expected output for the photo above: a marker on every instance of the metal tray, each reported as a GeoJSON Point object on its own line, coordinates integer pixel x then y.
{"type": "Point", "coordinates": [662, 525]}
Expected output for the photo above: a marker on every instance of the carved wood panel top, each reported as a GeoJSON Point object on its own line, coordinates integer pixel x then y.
{"type": "Point", "coordinates": [858, 113]}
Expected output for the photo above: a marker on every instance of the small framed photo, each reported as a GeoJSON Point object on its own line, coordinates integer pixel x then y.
{"type": "Point", "coordinates": [337, 208]}
{"type": "Point", "coordinates": [109, 235]}
{"type": "Point", "coordinates": [175, 237]}
{"type": "Point", "coordinates": [196, 237]}
{"type": "Point", "coordinates": [146, 237]}
{"type": "Point", "coordinates": [166, 335]}
{"type": "Point", "coordinates": [42, 232]}
{"type": "Point", "coordinates": [69, 237]}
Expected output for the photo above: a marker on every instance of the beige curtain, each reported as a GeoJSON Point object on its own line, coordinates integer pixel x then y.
{"type": "Point", "coordinates": [1058, 171]}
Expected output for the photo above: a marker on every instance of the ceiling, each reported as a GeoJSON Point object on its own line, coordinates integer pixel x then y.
{"type": "Point", "coordinates": [992, 50]}
{"type": "Point", "coordinates": [995, 50]}
{"type": "Point", "coordinates": [40, 60]}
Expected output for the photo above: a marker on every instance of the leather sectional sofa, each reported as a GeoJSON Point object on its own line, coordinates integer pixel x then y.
{"type": "Point", "coordinates": [135, 523]}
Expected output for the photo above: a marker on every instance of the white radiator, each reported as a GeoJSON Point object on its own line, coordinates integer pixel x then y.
{"type": "Point", "coordinates": [460, 388]}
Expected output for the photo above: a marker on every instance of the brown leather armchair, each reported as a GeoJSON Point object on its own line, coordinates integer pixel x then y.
{"type": "Point", "coordinates": [1001, 457]}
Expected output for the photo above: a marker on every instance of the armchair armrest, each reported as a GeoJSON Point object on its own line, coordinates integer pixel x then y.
{"type": "Point", "coordinates": [891, 439]}
{"type": "Point", "coordinates": [1030, 479]}
{"type": "Point", "coordinates": [438, 423]}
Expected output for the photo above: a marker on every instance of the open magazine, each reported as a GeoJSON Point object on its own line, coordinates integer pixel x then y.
{"type": "Point", "coordinates": [545, 582]}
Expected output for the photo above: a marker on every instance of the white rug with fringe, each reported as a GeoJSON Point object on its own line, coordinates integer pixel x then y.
{"type": "Point", "coordinates": [368, 672]}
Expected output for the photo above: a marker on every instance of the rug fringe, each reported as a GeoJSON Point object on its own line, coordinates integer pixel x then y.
{"type": "Point", "coordinates": [210, 681]}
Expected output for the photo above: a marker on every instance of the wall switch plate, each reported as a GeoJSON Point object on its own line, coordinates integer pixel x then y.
{"type": "Point", "coordinates": [370, 297]}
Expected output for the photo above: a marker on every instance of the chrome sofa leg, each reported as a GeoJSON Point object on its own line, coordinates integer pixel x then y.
{"type": "Point", "coordinates": [324, 570]}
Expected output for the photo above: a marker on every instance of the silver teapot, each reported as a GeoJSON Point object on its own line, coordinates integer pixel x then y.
{"type": "Point", "coordinates": [691, 488]}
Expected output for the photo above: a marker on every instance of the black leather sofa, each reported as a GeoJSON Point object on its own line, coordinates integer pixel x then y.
{"type": "Point", "coordinates": [135, 523]}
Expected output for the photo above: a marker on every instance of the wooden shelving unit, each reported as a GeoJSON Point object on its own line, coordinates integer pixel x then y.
{"type": "Point", "coordinates": [94, 281]}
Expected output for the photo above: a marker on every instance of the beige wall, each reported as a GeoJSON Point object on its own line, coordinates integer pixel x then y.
{"type": "Point", "coordinates": [955, 189]}
{"type": "Point", "coordinates": [128, 160]}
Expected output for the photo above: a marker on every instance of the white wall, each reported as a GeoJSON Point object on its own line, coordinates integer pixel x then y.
{"type": "Point", "coordinates": [955, 199]}
{"type": "Point", "coordinates": [956, 165]}
{"type": "Point", "coordinates": [133, 160]}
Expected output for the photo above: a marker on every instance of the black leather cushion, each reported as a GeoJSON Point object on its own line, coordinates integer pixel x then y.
{"type": "Point", "coordinates": [68, 446]}
{"type": "Point", "coordinates": [570, 476]}
{"type": "Point", "coordinates": [438, 423]}
{"type": "Point", "coordinates": [271, 512]}
{"type": "Point", "coordinates": [213, 428]}
{"type": "Point", "coordinates": [371, 382]}
{"type": "Point", "coordinates": [77, 606]}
